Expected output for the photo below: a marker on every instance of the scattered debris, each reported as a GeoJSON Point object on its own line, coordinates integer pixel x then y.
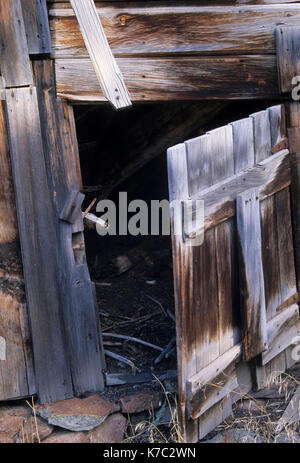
{"type": "Point", "coordinates": [122, 359]}
{"type": "Point", "coordinates": [119, 379]}
{"type": "Point", "coordinates": [129, 338]}
{"type": "Point", "coordinates": [123, 264]}
{"type": "Point", "coordinates": [159, 304]}
{"type": "Point", "coordinates": [165, 351]}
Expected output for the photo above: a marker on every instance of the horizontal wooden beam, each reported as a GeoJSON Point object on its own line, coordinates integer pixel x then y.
{"type": "Point", "coordinates": [269, 177]}
{"type": "Point", "coordinates": [213, 382]}
{"type": "Point", "coordinates": [282, 330]}
{"type": "Point", "coordinates": [185, 78]}
{"type": "Point", "coordinates": [147, 28]}
{"type": "Point", "coordinates": [65, 3]}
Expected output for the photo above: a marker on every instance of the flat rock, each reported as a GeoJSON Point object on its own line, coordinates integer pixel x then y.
{"type": "Point", "coordinates": [60, 437]}
{"type": "Point", "coordinates": [110, 432]}
{"type": "Point", "coordinates": [78, 414]}
{"type": "Point", "coordinates": [141, 401]}
{"type": "Point", "coordinates": [11, 422]}
{"type": "Point", "coordinates": [34, 430]}
{"type": "Point", "coordinates": [235, 436]}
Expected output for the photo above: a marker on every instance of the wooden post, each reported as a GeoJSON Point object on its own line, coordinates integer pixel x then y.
{"type": "Point", "coordinates": [44, 155]}
{"type": "Point", "coordinates": [16, 366]}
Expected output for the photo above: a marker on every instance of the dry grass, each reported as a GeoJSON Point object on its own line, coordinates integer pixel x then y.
{"type": "Point", "coordinates": [259, 419]}
{"type": "Point", "coordinates": [157, 430]}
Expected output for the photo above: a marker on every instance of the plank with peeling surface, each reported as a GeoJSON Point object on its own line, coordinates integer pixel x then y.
{"type": "Point", "coordinates": [37, 30]}
{"type": "Point", "coordinates": [38, 238]}
{"type": "Point", "coordinates": [15, 64]}
{"type": "Point", "coordinates": [62, 159]}
{"type": "Point", "coordinates": [16, 366]}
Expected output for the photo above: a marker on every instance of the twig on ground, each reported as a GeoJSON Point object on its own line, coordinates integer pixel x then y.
{"type": "Point", "coordinates": [129, 338]}
{"type": "Point", "coordinates": [171, 315]}
{"type": "Point", "coordinates": [123, 360]}
{"type": "Point", "coordinates": [165, 351]}
{"type": "Point", "coordinates": [159, 304]}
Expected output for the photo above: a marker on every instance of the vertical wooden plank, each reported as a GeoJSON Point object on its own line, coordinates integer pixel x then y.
{"type": "Point", "coordinates": [222, 153]}
{"type": "Point", "coordinates": [105, 65]}
{"type": "Point", "coordinates": [37, 29]}
{"type": "Point", "coordinates": [288, 55]}
{"type": "Point", "coordinates": [15, 64]}
{"type": "Point", "coordinates": [251, 272]}
{"type": "Point", "coordinates": [262, 135]}
{"type": "Point", "coordinates": [183, 288]}
{"type": "Point", "coordinates": [285, 246]}
{"type": "Point", "coordinates": [219, 278]}
{"type": "Point", "coordinates": [16, 364]}
{"type": "Point", "coordinates": [229, 330]}
{"type": "Point", "coordinates": [270, 256]}
{"type": "Point", "coordinates": [243, 144]}
{"type": "Point", "coordinates": [61, 154]}
{"type": "Point", "coordinates": [293, 110]}
{"type": "Point", "coordinates": [199, 163]}
{"type": "Point", "coordinates": [277, 125]}
{"type": "Point", "coordinates": [39, 246]}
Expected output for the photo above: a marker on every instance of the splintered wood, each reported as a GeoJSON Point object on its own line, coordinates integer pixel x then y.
{"type": "Point", "coordinates": [105, 65]}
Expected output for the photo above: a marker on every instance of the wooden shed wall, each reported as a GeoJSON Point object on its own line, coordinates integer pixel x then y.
{"type": "Point", "coordinates": [174, 50]}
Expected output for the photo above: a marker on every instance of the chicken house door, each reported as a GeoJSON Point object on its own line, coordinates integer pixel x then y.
{"type": "Point", "coordinates": [235, 294]}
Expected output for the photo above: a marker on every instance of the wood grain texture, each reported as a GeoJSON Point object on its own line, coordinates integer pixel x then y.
{"type": "Point", "coordinates": [39, 246]}
{"type": "Point", "coordinates": [16, 370]}
{"type": "Point", "coordinates": [288, 55]}
{"type": "Point", "coordinates": [270, 176]}
{"type": "Point", "coordinates": [294, 145]}
{"type": "Point", "coordinates": [282, 329]}
{"type": "Point", "coordinates": [15, 64]}
{"type": "Point", "coordinates": [212, 377]}
{"type": "Point", "coordinates": [147, 28]}
{"type": "Point", "coordinates": [104, 63]}
{"type": "Point", "coordinates": [37, 29]}
{"type": "Point", "coordinates": [62, 157]}
{"type": "Point", "coordinates": [251, 272]}
{"type": "Point", "coordinates": [175, 78]}
{"type": "Point", "coordinates": [183, 285]}
{"type": "Point", "coordinates": [213, 168]}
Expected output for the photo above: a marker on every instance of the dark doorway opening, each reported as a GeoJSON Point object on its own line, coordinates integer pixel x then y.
{"type": "Point", "coordinates": [126, 152]}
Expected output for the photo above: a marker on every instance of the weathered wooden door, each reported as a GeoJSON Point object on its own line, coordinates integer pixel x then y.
{"type": "Point", "coordinates": [235, 294]}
